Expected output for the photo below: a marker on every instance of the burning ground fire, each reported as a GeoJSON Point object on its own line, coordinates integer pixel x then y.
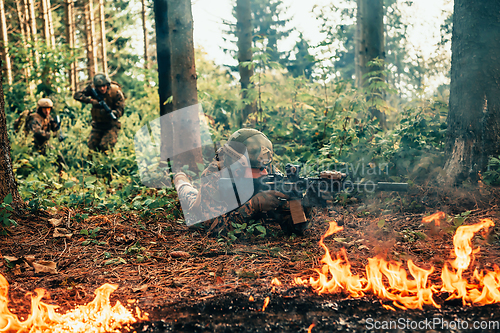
{"type": "Point", "coordinates": [96, 317]}
{"type": "Point", "coordinates": [389, 280]}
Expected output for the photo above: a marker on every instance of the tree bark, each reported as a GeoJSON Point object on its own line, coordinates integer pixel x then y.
{"type": "Point", "coordinates": [103, 38]}
{"type": "Point", "coordinates": [244, 32]}
{"type": "Point", "coordinates": [184, 90]}
{"type": "Point", "coordinates": [51, 24]}
{"type": "Point", "coordinates": [45, 19]}
{"type": "Point", "coordinates": [370, 33]}
{"type": "Point", "coordinates": [90, 32]}
{"type": "Point", "coordinates": [145, 33]}
{"type": "Point", "coordinates": [8, 184]}
{"type": "Point", "coordinates": [5, 41]}
{"type": "Point", "coordinates": [32, 26]}
{"type": "Point", "coordinates": [70, 40]}
{"type": "Point", "coordinates": [163, 55]}
{"type": "Point", "coordinates": [474, 116]}
{"type": "Point", "coordinates": [22, 27]}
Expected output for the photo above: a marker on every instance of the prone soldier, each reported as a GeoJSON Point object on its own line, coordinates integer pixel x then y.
{"type": "Point", "coordinates": [108, 103]}
{"type": "Point", "coordinates": [207, 200]}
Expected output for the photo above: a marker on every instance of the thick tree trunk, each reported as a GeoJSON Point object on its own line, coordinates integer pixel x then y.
{"type": "Point", "coordinates": [370, 33]}
{"type": "Point", "coordinates": [474, 116]}
{"type": "Point", "coordinates": [184, 89]}
{"type": "Point", "coordinates": [103, 38]}
{"type": "Point", "coordinates": [8, 184]}
{"type": "Point", "coordinates": [145, 33]}
{"type": "Point", "coordinates": [90, 33]}
{"type": "Point", "coordinates": [70, 40]}
{"type": "Point", "coordinates": [5, 41]}
{"type": "Point", "coordinates": [164, 60]}
{"type": "Point", "coordinates": [244, 30]}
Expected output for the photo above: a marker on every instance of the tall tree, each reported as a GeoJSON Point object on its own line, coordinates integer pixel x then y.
{"type": "Point", "coordinates": [46, 23]}
{"type": "Point", "coordinates": [244, 29]}
{"type": "Point", "coordinates": [5, 41]}
{"type": "Point", "coordinates": [8, 184]}
{"type": "Point", "coordinates": [23, 27]}
{"type": "Point", "coordinates": [90, 38]}
{"type": "Point", "coordinates": [145, 34]}
{"type": "Point", "coordinates": [370, 41]}
{"type": "Point", "coordinates": [370, 46]}
{"type": "Point", "coordinates": [104, 55]}
{"type": "Point", "coordinates": [70, 40]}
{"type": "Point", "coordinates": [474, 116]}
{"type": "Point", "coordinates": [184, 90]}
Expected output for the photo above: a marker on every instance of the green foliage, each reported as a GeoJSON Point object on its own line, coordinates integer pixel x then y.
{"type": "Point", "coordinates": [5, 213]}
{"type": "Point", "coordinates": [456, 221]}
{"type": "Point", "coordinates": [492, 175]}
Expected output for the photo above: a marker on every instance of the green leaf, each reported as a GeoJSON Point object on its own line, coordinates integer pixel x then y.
{"type": "Point", "coordinates": [86, 242]}
{"type": "Point", "coordinates": [8, 199]}
{"type": "Point", "coordinates": [261, 229]}
{"type": "Point", "coordinates": [381, 223]}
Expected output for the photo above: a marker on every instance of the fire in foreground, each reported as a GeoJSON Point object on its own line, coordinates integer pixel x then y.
{"type": "Point", "coordinates": [95, 317]}
{"type": "Point", "coordinates": [389, 280]}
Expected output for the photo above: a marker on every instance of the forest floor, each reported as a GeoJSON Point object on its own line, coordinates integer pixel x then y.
{"type": "Point", "coordinates": [188, 281]}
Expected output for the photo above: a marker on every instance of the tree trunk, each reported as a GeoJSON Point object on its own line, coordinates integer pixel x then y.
{"type": "Point", "coordinates": [370, 33]}
{"type": "Point", "coordinates": [90, 32]}
{"type": "Point", "coordinates": [5, 41]}
{"type": "Point", "coordinates": [32, 26]}
{"type": "Point", "coordinates": [70, 39]}
{"type": "Point", "coordinates": [24, 39]}
{"type": "Point", "coordinates": [187, 132]}
{"type": "Point", "coordinates": [103, 38]}
{"type": "Point", "coordinates": [8, 184]}
{"type": "Point", "coordinates": [474, 116]}
{"type": "Point", "coordinates": [45, 19]}
{"type": "Point", "coordinates": [244, 30]}
{"type": "Point", "coordinates": [145, 33]}
{"type": "Point", "coordinates": [51, 24]}
{"type": "Point", "coordinates": [163, 56]}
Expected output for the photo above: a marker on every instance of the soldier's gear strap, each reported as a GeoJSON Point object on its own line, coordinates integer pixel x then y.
{"type": "Point", "coordinates": [235, 156]}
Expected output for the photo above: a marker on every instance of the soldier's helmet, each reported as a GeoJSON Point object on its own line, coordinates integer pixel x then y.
{"type": "Point", "coordinates": [256, 144]}
{"type": "Point", "coordinates": [101, 80]}
{"type": "Point", "coordinates": [45, 103]}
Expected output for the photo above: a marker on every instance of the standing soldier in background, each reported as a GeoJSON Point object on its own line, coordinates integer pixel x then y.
{"type": "Point", "coordinates": [40, 123]}
{"type": "Point", "coordinates": [108, 103]}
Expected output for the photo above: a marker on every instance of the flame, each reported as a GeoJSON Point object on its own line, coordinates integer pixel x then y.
{"type": "Point", "coordinates": [266, 303]}
{"type": "Point", "coordinates": [276, 282]}
{"type": "Point", "coordinates": [390, 280]}
{"type": "Point", "coordinates": [97, 316]}
{"type": "Point", "coordinates": [436, 217]}
{"type": "Point", "coordinates": [309, 330]}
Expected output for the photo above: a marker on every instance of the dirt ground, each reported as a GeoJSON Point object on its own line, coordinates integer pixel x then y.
{"type": "Point", "coordinates": [188, 281]}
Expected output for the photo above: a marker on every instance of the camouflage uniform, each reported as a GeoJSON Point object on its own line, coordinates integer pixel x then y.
{"type": "Point", "coordinates": [41, 127]}
{"type": "Point", "coordinates": [209, 193]}
{"type": "Point", "coordinates": [104, 134]}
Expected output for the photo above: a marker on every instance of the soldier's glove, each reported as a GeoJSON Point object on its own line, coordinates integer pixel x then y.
{"type": "Point", "coordinates": [55, 124]}
{"type": "Point", "coordinates": [94, 102]}
{"type": "Point", "coordinates": [266, 201]}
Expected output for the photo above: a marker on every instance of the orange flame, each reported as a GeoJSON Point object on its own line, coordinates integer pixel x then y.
{"type": "Point", "coordinates": [436, 217]}
{"type": "Point", "coordinates": [97, 316]}
{"type": "Point", "coordinates": [276, 282]}
{"type": "Point", "coordinates": [389, 280]}
{"type": "Point", "coordinates": [309, 330]}
{"type": "Point", "coordinates": [266, 303]}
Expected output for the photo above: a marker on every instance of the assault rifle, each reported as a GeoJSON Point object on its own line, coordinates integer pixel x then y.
{"type": "Point", "coordinates": [306, 192]}
{"type": "Point", "coordinates": [56, 127]}
{"type": "Point", "coordinates": [102, 103]}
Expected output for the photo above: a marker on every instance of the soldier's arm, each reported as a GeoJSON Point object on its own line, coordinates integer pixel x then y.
{"type": "Point", "coordinates": [38, 132]}
{"type": "Point", "coordinates": [84, 95]}
{"type": "Point", "coordinates": [119, 104]}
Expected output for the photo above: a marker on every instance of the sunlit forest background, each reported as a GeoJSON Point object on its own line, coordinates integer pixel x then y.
{"type": "Point", "coordinates": [304, 98]}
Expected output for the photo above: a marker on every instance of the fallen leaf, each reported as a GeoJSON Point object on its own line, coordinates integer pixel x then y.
{"type": "Point", "coordinates": [179, 254]}
{"type": "Point", "coordinates": [61, 232]}
{"type": "Point", "coordinates": [142, 288]}
{"type": "Point", "coordinates": [10, 259]}
{"type": "Point", "coordinates": [55, 222]}
{"type": "Point", "coordinates": [45, 267]}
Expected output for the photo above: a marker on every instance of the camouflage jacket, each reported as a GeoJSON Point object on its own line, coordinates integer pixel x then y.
{"type": "Point", "coordinates": [40, 126]}
{"type": "Point", "coordinates": [208, 194]}
{"type": "Point", "coordinates": [113, 97]}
